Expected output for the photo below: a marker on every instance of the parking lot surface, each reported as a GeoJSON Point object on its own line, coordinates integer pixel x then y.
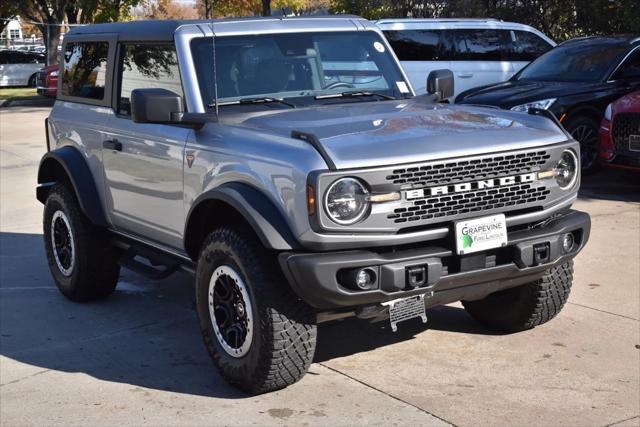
{"type": "Point", "coordinates": [137, 358]}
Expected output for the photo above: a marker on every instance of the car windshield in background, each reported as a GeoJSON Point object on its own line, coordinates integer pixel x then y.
{"type": "Point", "coordinates": [579, 63]}
{"type": "Point", "coordinates": [296, 66]}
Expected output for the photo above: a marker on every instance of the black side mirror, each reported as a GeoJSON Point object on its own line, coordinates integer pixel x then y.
{"type": "Point", "coordinates": [157, 105]}
{"type": "Point", "coordinates": [440, 83]}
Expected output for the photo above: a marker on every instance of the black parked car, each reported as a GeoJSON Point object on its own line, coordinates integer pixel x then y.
{"type": "Point", "coordinates": [575, 81]}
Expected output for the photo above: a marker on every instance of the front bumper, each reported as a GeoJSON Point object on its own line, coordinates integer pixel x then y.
{"type": "Point", "coordinates": [318, 278]}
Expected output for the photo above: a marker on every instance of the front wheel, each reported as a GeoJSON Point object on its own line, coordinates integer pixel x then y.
{"type": "Point", "coordinates": [585, 131]}
{"type": "Point", "coordinates": [83, 262]}
{"type": "Point", "coordinates": [526, 306]}
{"type": "Point", "coordinates": [260, 335]}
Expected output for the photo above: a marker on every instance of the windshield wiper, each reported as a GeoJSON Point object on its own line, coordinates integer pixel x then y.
{"type": "Point", "coordinates": [258, 100]}
{"type": "Point", "coordinates": [353, 94]}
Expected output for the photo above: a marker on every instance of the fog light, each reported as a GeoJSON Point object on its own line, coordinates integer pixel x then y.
{"type": "Point", "coordinates": [365, 278]}
{"type": "Point", "coordinates": [567, 242]}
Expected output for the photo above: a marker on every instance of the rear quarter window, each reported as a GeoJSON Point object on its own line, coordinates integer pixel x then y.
{"type": "Point", "coordinates": [85, 69]}
{"type": "Point", "coordinates": [415, 45]}
{"type": "Point", "coordinates": [526, 46]}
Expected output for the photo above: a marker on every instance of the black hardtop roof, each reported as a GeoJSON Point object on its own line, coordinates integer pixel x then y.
{"type": "Point", "coordinates": [163, 30]}
{"type": "Point", "coordinates": [620, 40]}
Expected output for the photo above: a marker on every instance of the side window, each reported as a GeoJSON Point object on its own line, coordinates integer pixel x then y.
{"type": "Point", "coordinates": [415, 45]}
{"type": "Point", "coordinates": [85, 68]}
{"type": "Point", "coordinates": [630, 69]}
{"type": "Point", "coordinates": [526, 46]}
{"type": "Point", "coordinates": [146, 66]}
{"type": "Point", "coordinates": [479, 45]}
{"type": "Point", "coordinates": [4, 57]}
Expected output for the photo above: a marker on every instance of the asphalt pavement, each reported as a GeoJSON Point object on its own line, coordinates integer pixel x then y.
{"type": "Point", "coordinates": [137, 358]}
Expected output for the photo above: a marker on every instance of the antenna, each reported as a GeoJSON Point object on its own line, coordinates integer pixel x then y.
{"type": "Point", "coordinates": [215, 74]}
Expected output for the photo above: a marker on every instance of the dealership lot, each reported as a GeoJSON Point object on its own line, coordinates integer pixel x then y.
{"type": "Point", "coordinates": [138, 358]}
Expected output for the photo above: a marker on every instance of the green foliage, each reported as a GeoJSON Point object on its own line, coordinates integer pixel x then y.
{"type": "Point", "coordinates": [560, 19]}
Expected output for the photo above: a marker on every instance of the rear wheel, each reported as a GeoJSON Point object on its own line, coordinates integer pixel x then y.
{"type": "Point", "coordinates": [526, 306]}
{"type": "Point", "coordinates": [260, 335]}
{"type": "Point", "coordinates": [32, 81]}
{"type": "Point", "coordinates": [82, 261]}
{"type": "Point", "coordinates": [585, 131]}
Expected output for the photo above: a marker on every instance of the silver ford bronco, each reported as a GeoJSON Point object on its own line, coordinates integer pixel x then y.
{"type": "Point", "coordinates": [288, 165]}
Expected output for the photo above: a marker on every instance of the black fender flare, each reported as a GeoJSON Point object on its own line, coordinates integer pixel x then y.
{"type": "Point", "coordinates": [256, 209]}
{"type": "Point", "coordinates": [69, 160]}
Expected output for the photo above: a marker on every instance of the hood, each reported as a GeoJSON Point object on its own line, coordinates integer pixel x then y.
{"type": "Point", "coordinates": [369, 134]}
{"type": "Point", "coordinates": [512, 93]}
{"type": "Point", "coordinates": [628, 104]}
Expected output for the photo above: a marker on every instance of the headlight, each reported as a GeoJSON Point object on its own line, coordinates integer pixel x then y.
{"type": "Point", "coordinates": [567, 170]}
{"type": "Point", "coordinates": [608, 112]}
{"type": "Point", "coordinates": [543, 104]}
{"type": "Point", "coordinates": [346, 201]}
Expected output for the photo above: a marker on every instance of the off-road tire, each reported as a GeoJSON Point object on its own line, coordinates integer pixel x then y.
{"type": "Point", "coordinates": [95, 269]}
{"type": "Point", "coordinates": [284, 329]}
{"type": "Point", "coordinates": [526, 306]}
{"type": "Point", "coordinates": [590, 147]}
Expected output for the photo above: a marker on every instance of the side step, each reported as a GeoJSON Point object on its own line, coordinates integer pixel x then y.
{"type": "Point", "coordinates": [155, 269]}
{"type": "Point", "coordinates": [150, 262]}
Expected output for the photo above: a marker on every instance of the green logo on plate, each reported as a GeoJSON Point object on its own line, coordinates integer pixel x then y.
{"type": "Point", "coordinates": [467, 241]}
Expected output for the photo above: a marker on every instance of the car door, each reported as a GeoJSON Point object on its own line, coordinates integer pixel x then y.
{"type": "Point", "coordinates": [143, 163]}
{"type": "Point", "coordinates": [478, 57]}
{"type": "Point", "coordinates": [419, 53]}
{"type": "Point", "coordinates": [524, 47]}
{"type": "Point", "coordinates": [626, 76]}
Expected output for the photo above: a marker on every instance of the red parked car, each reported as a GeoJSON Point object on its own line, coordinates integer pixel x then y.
{"type": "Point", "coordinates": [620, 133]}
{"type": "Point", "coordinates": [47, 81]}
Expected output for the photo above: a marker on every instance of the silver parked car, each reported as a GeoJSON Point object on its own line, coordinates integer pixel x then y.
{"type": "Point", "coordinates": [289, 166]}
{"type": "Point", "coordinates": [18, 68]}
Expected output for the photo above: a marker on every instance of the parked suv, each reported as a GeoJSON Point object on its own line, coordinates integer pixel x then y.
{"type": "Point", "coordinates": [294, 172]}
{"type": "Point", "coordinates": [478, 51]}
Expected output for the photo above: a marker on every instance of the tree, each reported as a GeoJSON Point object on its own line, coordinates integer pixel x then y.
{"type": "Point", "coordinates": [167, 9]}
{"type": "Point", "coordinates": [49, 15]}
{"type": "Point", "coordinates": [8, 10]}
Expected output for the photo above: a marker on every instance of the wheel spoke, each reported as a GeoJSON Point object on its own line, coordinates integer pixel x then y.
{"type": "Point", "coordinates": [230, 311]}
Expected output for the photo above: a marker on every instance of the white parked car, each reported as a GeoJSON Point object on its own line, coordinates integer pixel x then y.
{"type": "Point", "coordinates": [19, 68]}
{"type": "Point", "coordinates": [478, 51]}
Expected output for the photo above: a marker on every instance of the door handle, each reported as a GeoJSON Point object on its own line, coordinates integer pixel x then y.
{"type": "Point", "coordinates": [112, 144]}
{"type": "Point", "coordinates": [465, 75]}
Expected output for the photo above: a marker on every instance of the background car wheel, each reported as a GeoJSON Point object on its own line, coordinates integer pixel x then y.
{"type": "Point", "coordinates": [585, 131]}
{"type": "Point", "coordinates": [82, 261]}
{"type": "Point", "coordinates": [32, 81]}
{"type": "Point", "coordinates": [526, 306]}
{"type": "Point", "coordinates": [260, 335]}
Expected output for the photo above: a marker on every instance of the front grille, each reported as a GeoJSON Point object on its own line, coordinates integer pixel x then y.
{"type": "Point", "coordinates": [625, 125]}
{"type": "Point", "coordinates": [473, 201]}
{"type": "Point", "coordinates": [468, 170]}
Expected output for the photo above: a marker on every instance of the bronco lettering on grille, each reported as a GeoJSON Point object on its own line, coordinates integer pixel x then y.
{"type": "Point", "coordinates": [470, 186]}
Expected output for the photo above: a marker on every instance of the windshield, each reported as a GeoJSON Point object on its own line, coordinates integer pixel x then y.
{"type": "Point", "coordinates": [578, 63]}
{"type": "Point", "coordinates": [296, 66]}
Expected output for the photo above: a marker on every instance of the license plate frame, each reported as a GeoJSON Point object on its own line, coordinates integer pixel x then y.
{"type": "Point", "coordinates": [402, 309]}
{"type": "Point", "coordinates": [634, 142]}
{"type": "Point", "coordinates": [480, 234]}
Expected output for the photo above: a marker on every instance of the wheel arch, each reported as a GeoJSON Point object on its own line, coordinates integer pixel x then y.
{"type": "Point", "coordinates": [587, 111]}
{"type": "Point", "coordinates": [67, 166]}
{"type": "Point", "coordinates": [236, 203]}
